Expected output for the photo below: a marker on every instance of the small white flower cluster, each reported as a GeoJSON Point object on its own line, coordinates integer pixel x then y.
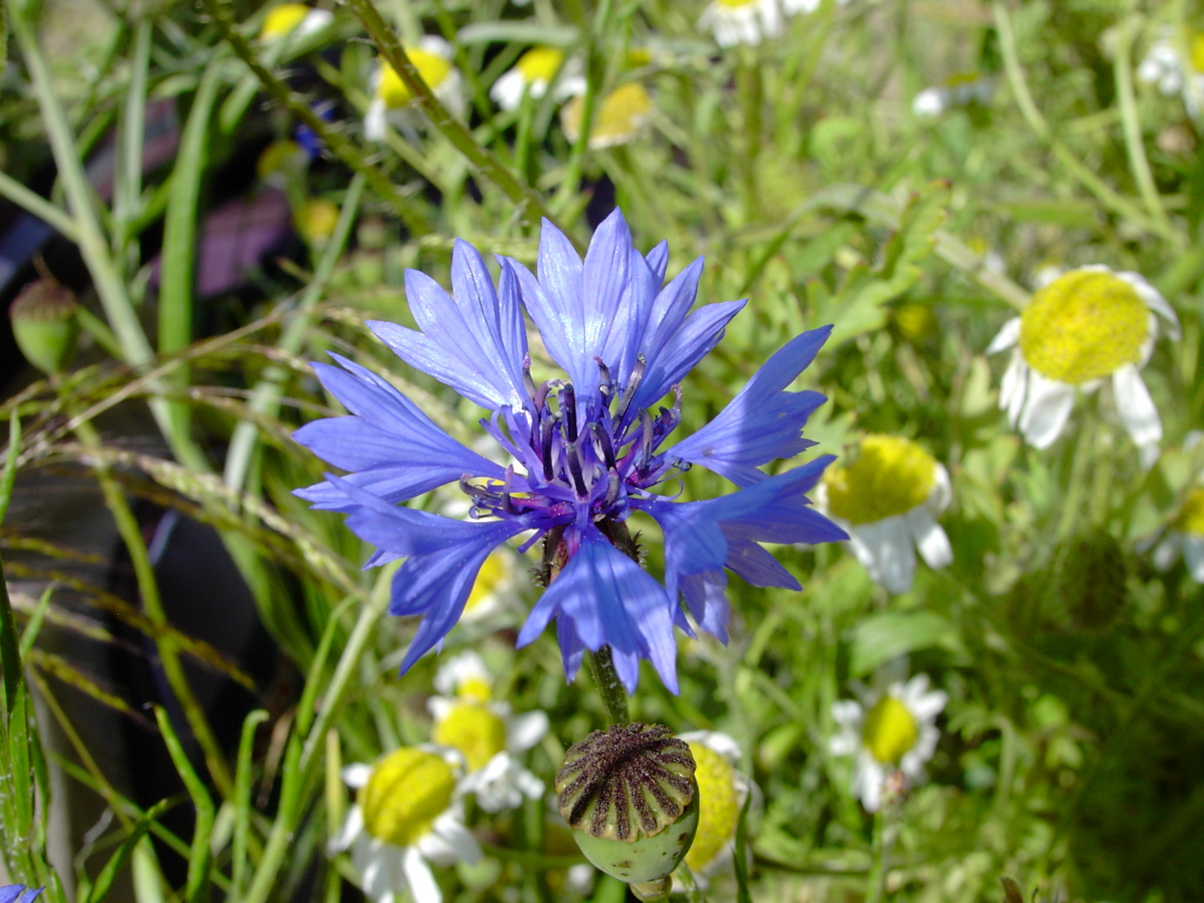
{"type": "Point", "coordinates": [752, 21]}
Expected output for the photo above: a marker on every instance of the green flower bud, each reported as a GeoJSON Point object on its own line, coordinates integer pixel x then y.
{"type": "Point", "coordinates": [44, 324]}
{"type": "Point", "coordinates": [630, 796]}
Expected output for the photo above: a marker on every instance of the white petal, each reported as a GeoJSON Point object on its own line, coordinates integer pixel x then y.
{"type": "Point", "coordinates": [717, 741]}
{"type": "Point", "coordinates": [1014, 388]}
{"type": "Point", "coordinates": [525, 730]}
{"type": "Point", "coordinates": [419, 878]}
{"type": "Point", "coordinates": [884, 548]}
{"type": "Point", "coordinates": [353, 826]}
{"type": "Point", "coordinates": [375, 125]}
{"type": "Point", "coordinates": [1193, 555]}
{"type": "Point", "coordinates": [1168, 550]}
{"type": "Point", "coordinates": [1154, 301]}
{"type": "Point", "coordinates": [930, 538]}
{"type": "Point", "coordinates": [356, 775]}
{"type": "Point", "coordinates": [1046, 410]}
{"type": "Point", "coordinates": [868, 776]}
{"type": "Point", "coordinates": [942, 491]}
{"type": "Point", "coordinates": [1008, 336]}
{"type": "Point", "coordinates": [1136, 408]}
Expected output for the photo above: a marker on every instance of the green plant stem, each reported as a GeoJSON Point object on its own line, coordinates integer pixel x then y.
{"type": "Point", "coordinates": [152, 603]}
{"type": "Point", "coordinates": [1080, 474]}
{"type": "Point", "coordinates": [265, 397]}
{"type": "Point", "coordinates": [1123, 70]}
{"type": "Point", "coordinates": [1028, 107]}
{"type": "Point", "coordinates": [595, 77]}
{"type": "Point", "coordinates": [748, 81]}
{"type": "Point", "coordinates": [461, 138]}
{"type": "Point", "coordinates": [614, 696]}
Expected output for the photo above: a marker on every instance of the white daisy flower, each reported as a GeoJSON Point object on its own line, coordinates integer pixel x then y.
{"type": "Point", "coordinates": [891, 735]}
{"type": "Point", "coordinates": [391, 99]}
{"type": "Point", "coordinates": [722, 790]}
{"type": "Point", "coordinates": [1185, 537]}
{"type": "Point", "coordinates": [752, 21]}
{"type": "Point", "coordinates": [621, 117]}
{"type": "Point", "coordinates": [959, 90]}
{"type": "Point", "coordinates": [533, 74]}
{"type": "Point", "coordinates": [1086, 325]}
{"type": "Point", "coordinates": [888, 500]}
{"type": "Point", "coordinates": [293, 19]}
{"type": "Point", "coordinates": [1163, 67]}
{"type": "Point", "coordinates": [486, 733]}
{"type": "Point", "coordinates": [406, 816]}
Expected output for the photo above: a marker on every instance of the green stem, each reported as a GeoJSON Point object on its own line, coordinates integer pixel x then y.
{"type": "Point", "coordinates": [614, 696]}
{"type": "Point", "coordinates": [1080, 474]}
{"type": "Point", "coordinates": [152, 603]}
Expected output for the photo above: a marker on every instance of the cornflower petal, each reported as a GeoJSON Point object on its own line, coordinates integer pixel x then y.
{"type": "Point", "coordinates": [472, 340]}
{"type": "Point", "coordinates": [609, 600]}
{"type": "Point", "coordinates": [445, 556]}
{"type": "Point", "coordinates": [396, 451]}
{"type": "Point", "coordinates": [763, 421]}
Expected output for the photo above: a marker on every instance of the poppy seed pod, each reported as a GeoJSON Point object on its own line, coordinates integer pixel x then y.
{"type": "Point", "coordinates": [630, 796]}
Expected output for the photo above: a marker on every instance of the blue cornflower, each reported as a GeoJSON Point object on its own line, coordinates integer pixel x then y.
{"type": "Point", "coordinates": [12, 893]}
{"type": "Point", "coordinates": [586, 450]}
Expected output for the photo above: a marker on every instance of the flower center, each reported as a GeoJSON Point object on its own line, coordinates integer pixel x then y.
{"type": "Point", "coordinates": [620, 118]}
{"type": "Point", "coordinates": [1084, 325]}
{"type": "Point", "coordinates": [891, 476]}
{"type": "Point", "coordinates": [719, 805]}
{"type": "Point", "coordinates": [890, 731]}
{"type": "Point", "coordinates": [592, 452]}
{"type": "Point", "coordinates": [283, 19]}
{"type": "Point", "coordinates": [540, 64]}
{"type": "Point", "coordinates": [1197, 52]}
{"type": "Point", "coordinates": [475, 731]}
{"type": "Point", "coordinates": [431, 66]}
{"type": "Point", "coordinates": [1191, 516]}
{"type": "Point", "coordinates": [736, 4]}
{"type": "Point", "coordinates": [407, 791]}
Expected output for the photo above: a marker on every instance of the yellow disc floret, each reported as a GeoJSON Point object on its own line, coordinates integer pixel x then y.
{"type": "Point", "coordinates": [736, 4]}
{"type": "Point", "coordinates": [316, 219]}
{"type": "Point", "coordinates": [407, 791]}
{"type": "Point", "coordinates": [1191, 516]}
{"type": "Point", "coordinates": [474, 730]}
{"type": "Point", "coordinates": [1196, 46]}
{"type": "Point", "coordinates": [431, 66]}
{"type": "Point", "coordinates": [891, 476]}
{"type": "Point", "coordinates": [621, 116]}
{"type": "Point", "coordinates": [540, 64]}
{"type": "Point", "coordinates": [890, 731]}
{"type": "Point", "coordinates": [719, 803]}
{"type": "Point", "coordinates": [492, 573]}
{"type": "Point", "coordinates": [1084, 325]}
{"type": "Point", "coordinates": [283, 19]}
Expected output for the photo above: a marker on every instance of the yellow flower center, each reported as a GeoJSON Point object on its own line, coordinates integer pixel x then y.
{"type": "Point", "coordinates": [540, 64]}
{"type": "Point", "coordinates": [891, 476]}
{"type": "Point", "coordinates": [492, 573]}
{"type": "Point", "coordinates": [475, 731]}
{"type": "Point", "coordinates": [475, 689]}
{"type": "Point", "coordinates": [283, 19]}
{"type": "Point", "coordinates": [890, 731]}
{"type": "Point", "coordinates": [407, 791]}
{"type": "Point", "coordinates": [1197, 52]}
{"type": "Point", "coordinates": [280, 157]}
{"type": "Point", "coordinates": [1191, 516]}
{"type": "Point", "coordinates": [719, 805]}
{"type": "Point", "coordinates": [620, 117]}
{"type": "Point", "coordinates": [431, 66]}
{"type": "Point", "coordinates": [736, 4]}
{"type": "Point", "coordinates": [917, 322]}
{"type": "Point", "coordinates": [316, 220]}
{"type": "Point", "coordinates": [1084, 325]}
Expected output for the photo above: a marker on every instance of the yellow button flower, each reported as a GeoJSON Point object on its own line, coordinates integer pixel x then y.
{"type": "Point", "coordinates": [1086, 326]}
{"type": "Point", "coordinates": [890, 735]}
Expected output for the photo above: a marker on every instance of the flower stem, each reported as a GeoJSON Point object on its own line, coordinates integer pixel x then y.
{"type": "Point", "coordinates": [614, 697]}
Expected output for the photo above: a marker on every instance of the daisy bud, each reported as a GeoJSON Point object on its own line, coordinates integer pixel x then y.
{"type": "Point", "coordinates": [44, 324]}
{"type": "Point", "coordinates": [630, 796]}
{"type": "Point", "coordinates": [1089, 579]}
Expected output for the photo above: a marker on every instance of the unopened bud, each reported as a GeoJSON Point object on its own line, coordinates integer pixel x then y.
{"type": "Point", "coordinates": [45, 325]}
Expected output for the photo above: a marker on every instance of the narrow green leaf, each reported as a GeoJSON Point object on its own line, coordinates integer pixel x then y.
{"type": "Point", "coordinates": [197, 885]}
